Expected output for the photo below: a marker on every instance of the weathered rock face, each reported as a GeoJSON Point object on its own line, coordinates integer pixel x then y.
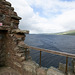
{"type": "Point", "coordinates": [11, 52]}
{"type": "Point", "coordinates": [8, 17]}
{"type": "Point", "coordinates": [8, 20]}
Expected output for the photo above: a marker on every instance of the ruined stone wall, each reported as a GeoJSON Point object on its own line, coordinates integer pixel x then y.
{"type": "Point", "coordinates": [9, 20]}
{"type": "Point", "coordinates": [8, 17]}
{"type": "Point", "coordinates": [14, 56]}
{"type": "Point", "coordinates": [11, 53]}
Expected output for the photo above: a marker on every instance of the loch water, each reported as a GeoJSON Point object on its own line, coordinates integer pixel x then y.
{"type": "Point", "coordinates": [63, 43]}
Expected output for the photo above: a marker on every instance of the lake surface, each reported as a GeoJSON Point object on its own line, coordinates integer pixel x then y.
{"type": "Point", "coordinates": [63, 43]}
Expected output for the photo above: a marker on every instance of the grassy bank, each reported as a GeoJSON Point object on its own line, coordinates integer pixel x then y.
{"type": "Point", "coordinates": [70, 32]}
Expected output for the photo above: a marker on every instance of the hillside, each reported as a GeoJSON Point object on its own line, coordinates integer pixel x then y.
{"type": "Point", "coordinates": [70, 32]}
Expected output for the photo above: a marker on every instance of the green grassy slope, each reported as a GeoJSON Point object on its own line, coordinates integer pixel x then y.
{"type": "Point", "coordinates": [70, 32]}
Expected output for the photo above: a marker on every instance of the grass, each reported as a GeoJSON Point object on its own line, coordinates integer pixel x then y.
{"type": "Point", "coordinates": [70, 32]}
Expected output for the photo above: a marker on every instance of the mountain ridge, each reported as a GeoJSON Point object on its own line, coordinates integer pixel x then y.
{"type": "Point", "coordinates": [69, 32]}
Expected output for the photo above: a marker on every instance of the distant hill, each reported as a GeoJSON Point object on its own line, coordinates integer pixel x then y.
{"type": "Point", "coordinates": [70, 32]}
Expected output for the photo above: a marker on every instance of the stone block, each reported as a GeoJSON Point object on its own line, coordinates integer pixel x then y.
{"type": "Point", "coordinates": [19, 36]}
{"type": "Point", "coordinates": [73, 65]}
{"type": "Point", "coordinates": [6, 22]}
{"type": "Point", "coordinates": [22, 59]}
{"type": "Point", "coordinates": [6, 3]}
{"type": "Point", "coordinates": [2, 0]}
{"type": "Point", "coordinates": [21, 50]}
{"type": "Point", "coordinates": [41, 71]}
{"type": "Point", "coordinates": [30, 66]}
{"type": "Point", "coordinates": [62, 67]}
{"type": "Point", "coordinates": [12, 8]}
{"type": "Point", "coordinates": [17, 64]}
{"type": "Point", "coordinates": [16, 48]}
{"type": "Point", "coordinates": [6, 11]}
{"type": "Point", "coordinates": [21, 44]}
{"type": "Point", "coordinates": [2, 7]}
{"type": "Point", "coordinates": [15, 25]}
{"type": "Point", "coordinates": [54, 71]}
{"type": "Point", "coordinates": [15, 21]}
{"type": "Point", "coordinates": [70, 73]}
{"type": "Point", "coordinates": [15, 17]}
{"type": "Point", "coordinates": [15, 14]}
{"type": "Point", "coordinates": [19, 54]}
{"type": "Point", "coordinates": [2, 17]}
{"type": "Point", "coordinates": [18, 31]}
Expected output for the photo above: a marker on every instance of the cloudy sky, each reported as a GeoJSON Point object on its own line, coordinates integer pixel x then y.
{"type": "Point", "coordinates": [45, 16]}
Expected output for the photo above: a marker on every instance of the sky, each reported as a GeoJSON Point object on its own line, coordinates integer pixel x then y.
{"type": "Point", "coordinates": [45, 16]}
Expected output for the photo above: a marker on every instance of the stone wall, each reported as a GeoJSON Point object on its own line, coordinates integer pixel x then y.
{"type": "Point", "coordinates": [8, 17]}
{"type": "Point", "coordinates": [14, 56]}
{"type": "Point", "coordinates": [9, 20]}
{"type": "Point", "coordinates": [12, 50]}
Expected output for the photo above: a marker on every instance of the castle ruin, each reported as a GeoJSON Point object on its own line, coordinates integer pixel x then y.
{"type": "Point", "coordinates": [14, 55]}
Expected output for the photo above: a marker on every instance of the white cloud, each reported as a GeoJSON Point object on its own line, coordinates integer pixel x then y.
{"type": "Point", "coordinates": [66, 20]}
{"type": "Point", "coordinates": [52, 5]}
{"type": "Point", "coordinates": [61, 15]}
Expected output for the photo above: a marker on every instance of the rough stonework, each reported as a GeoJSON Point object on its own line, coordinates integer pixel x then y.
{"type": "Point", "coordinates": [42, 71]}
{"type": "Point", "coordinates": [11, 54]}
{"type": "Point", "coordinates": [8, 71]}
{"type": "Point", "coordinates": [62, 67]}
{"type": "Point", "coordinates": [54, 71]}
{"type": "Point", "coordinates": [8, 17]}
{"type": "Point", "coordinates": [73, 65]}
{"type": "Point", "coordinates": [14, 54]}
{"type": "Point", "coordinates": [20, 31]}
